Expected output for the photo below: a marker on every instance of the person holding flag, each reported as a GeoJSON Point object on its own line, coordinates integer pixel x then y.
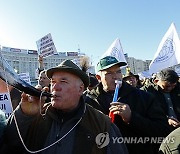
{"type": "Point", "coordinates": [136, 113]}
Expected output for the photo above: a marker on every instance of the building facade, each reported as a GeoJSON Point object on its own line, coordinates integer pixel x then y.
{"type": "Point", "coordinates": [136, 65]}
{"type": "Point", "coordinates": [24, 60]}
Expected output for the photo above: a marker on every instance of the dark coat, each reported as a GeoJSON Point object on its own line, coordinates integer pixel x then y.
{"type": "Point", "coordinates": [41, 131]}
{"type": "Point", "coordinates": [147, 119]}
{"type": "Point", "coordinates": [175, 98]}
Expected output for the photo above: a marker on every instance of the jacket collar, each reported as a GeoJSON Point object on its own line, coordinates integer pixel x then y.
{"type": "Point", "coordinates": [77, 113]}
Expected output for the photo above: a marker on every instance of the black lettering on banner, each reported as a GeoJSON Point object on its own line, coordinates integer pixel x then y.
{"type": "Point", "coordinates": [48, 54]}
{"type": "Point", "coordinates": [46, 46]}
{"type": "Point", "coordinates": [45, 42]}
{"type": "Point", "coordinates": [3, 97]}
{"type": "Point", "coordinates": [44, 38]}
{"type": "Point", "coordinates": [46, 50]}
{"type": "Point", "coordinates": [3, 107]}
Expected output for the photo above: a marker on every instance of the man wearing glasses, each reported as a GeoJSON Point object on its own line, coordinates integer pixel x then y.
{"type": "Point", "coordinates": [137, 114]}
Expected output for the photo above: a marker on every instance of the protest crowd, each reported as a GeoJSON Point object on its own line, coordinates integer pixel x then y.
{"type": "Point", "coordinates": [73, 111]}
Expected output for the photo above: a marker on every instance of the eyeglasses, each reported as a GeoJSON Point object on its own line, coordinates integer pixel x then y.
{"type": "Point", "coordinates": [113, 73]}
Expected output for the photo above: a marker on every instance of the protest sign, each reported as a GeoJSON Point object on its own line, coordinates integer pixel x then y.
{"type": "Point", "coordinates": [46, 46]}
{"type": "Point", "coordinates": [25, 77]}
{"type": "Point", "coordinates": [5, 104]}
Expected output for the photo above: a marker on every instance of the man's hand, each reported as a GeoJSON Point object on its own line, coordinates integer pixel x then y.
{"type": "Point", "coordinates": [31, 105]}
{"type": "Point", "coordinates": [174, 122]}
{"type": "Point", "coordinates": [121, 109]}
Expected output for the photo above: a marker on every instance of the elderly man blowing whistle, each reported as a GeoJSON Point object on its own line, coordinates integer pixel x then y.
{"type": "Point", "coordinates": [136, 113]}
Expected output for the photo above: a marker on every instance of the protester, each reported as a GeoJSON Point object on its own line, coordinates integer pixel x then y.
{"type": "Point", "coordinates": [67, 124]}
{"type": "Point", "coordinates": [43, 80]}
{"type": "Point", "coordinates": [132, 79]}
{"type": "Point", "coordinates": [171, 144]}
{"type": "Point", "coordinates": [137, 113]}
{"type": "Point", "coordinates": [166, 89]}
{"type": "Point", "coordinates": [93, 82]}
{"type": "Point", "coordinates": [2, 125]}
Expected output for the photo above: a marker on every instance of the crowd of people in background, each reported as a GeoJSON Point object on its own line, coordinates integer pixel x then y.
{"type": "Point", "coordinates": [146, 114]}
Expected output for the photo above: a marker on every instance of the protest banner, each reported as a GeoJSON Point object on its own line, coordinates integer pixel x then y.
{"type": "Point", "coordinates": [25, 77]}
{"type": "Point", "coordinates": [46, 46]}
{"type": "Point", "coordinates": [5, 100]}
{"type": "Point", "coordinates": [5, 104]}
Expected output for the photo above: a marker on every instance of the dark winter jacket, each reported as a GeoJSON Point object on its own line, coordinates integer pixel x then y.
{"type": "Point", "coordinates": [41, 131]}
{"type": "Point", "coordinates": [147, 119]}
{"type": "Point", "coordinates": [175, 98]}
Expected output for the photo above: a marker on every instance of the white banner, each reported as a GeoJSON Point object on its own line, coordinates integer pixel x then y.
{"type": "Point", "coordinates": [115, 50]}
{"type": "Point", "coordinates": [168, 52]}
{"type": "Point", "coordinates": [25, 77]}
{"type": "Point", "coordinates": [144, 74]}
{"type": "Point", "coordinates": [46, 46]}
{"type": "Point", "coordinates": [5, 104]}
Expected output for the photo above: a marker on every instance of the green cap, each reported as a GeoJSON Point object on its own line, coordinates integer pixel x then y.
{"type": "Point", "coordinates": [108, 62]}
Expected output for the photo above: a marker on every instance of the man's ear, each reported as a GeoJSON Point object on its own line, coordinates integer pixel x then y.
{"type": "Point", "coordinates": [98, 77]}
{"type": "Point", "coordinates": [81, 89]}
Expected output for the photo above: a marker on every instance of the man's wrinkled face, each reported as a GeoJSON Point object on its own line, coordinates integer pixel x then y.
{"type": "Point", "coordinates": [67, 89]}
{"type": "Point", "coordinates": [107, 77]}
{"type": "Point", "coordinates": [166, 86]}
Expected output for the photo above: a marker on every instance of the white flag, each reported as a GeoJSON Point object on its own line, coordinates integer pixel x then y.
{"type": "Point", "coordinates": [168, 52]}
{"type": "Point", "coordinates": [144, 74]}
{"type": "Point", "coordinates": [177, 69]}
{"type": "Point", "coordinates": [115, 50]}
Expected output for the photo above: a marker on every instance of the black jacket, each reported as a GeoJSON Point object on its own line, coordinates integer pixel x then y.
{"type": "Point", "coordinates": [41, 131]}
{"type": "Point", "coordinates": [175, 98]}
{"type": "Point", "coordinates": [147, 120]}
